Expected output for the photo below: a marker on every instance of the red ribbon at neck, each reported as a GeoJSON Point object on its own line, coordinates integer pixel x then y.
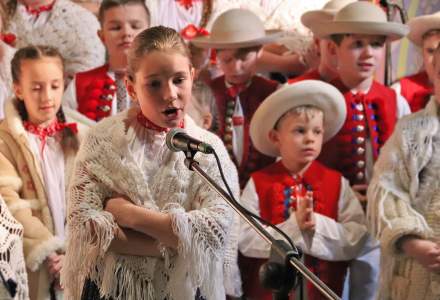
{"type": "Point", "coordinates": [236, 89]}
{"type": "Point", "coordinates": [187, 3]}
{"type": "Point", "coordinates": [51, 130]}
{"type": "Point", "coordinates": [144, 121]}
{"type": "Point", "coordinates": [37, 11]}
{"type": "Point", "coordinates": [191, 31]}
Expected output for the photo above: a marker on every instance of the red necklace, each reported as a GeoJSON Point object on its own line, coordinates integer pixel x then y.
{"type": "Point", "coordinates": [144, 121]}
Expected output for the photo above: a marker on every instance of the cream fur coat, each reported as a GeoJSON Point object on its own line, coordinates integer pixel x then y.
{"type": "Point", "coordinates": [22, 187]}
{"type": "Point", "coordinates": [403, 200]}
{"type": "Point", "coordinates": [105, 166]}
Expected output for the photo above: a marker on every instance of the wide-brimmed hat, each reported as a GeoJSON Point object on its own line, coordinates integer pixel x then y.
{"type": "Point", "coordinates": [420, 25]}
{"type": "Point", "coordinates": [237, 28]}
{"type": "Point", "coordinates": [327, 12]}
{"type": "Point", "coordinates": [308, 92]}
{"type": "Point", "coordinates": [360, 17]}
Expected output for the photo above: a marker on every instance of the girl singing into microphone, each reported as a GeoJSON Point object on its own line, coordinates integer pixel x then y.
{"type": "Point", "coordinates": [140, 224]}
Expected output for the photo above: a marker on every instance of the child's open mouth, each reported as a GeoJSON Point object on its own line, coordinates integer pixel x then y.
{"type": "Point", "coordinates": [172, 112]}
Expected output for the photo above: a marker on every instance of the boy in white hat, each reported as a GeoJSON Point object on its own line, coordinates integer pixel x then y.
{"type": "Point", "coordinates": [313, 204]}
{"type": "Point", "coordinates": [403, 210]}
{"type": "Point", "coordinates": [424, 32]}
{"type": "Point", "coordinates": [358, 33]}
{"type": "Point", "coordinates": [237, 35]}
{"type": "Point", "coordinates": [326, 69]}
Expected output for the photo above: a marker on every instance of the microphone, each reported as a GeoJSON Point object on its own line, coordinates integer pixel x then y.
{"type": "Point", "coordinates": [178, 140]}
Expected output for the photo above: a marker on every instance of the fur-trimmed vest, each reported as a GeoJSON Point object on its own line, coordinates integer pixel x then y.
{"type": "Point", "coordinates": [250, 99]}
{"type": "Point", "coordinates": [369, 116]}
{"type": "Point", "coordinates": [417, 90]}
{"type": "Point", "coordinates": [95, 91]}
{"type": "Point", "coordinates": [274, 187]}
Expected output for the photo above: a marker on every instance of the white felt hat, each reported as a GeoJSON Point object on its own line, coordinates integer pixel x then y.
{"type": "Point", "coordinates": [308, 92]}
{"type": "Point", "coordinates": [237, 28]}
{"type": "Point", "coordinates": [325, 14]}
{"type": "Point", "coordinates": [420, 25]}
{"type": "Point", "coordinates": [360, 17]}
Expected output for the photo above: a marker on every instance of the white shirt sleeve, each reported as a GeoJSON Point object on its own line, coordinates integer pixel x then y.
{"type": "Point", "coordinates": [402, 106]}
{"type": "Point", "coordinates": [69, 97]}
{"type": "Point", "coordinates": [331, 240]}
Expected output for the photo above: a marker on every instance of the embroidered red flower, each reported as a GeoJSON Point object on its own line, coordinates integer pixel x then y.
{"type": "Point", "coordinates": [191, 31]}
{"type": "Point", "coordinates": [187, 3]}
{"type": "Point", "coordinates": [9, 38]}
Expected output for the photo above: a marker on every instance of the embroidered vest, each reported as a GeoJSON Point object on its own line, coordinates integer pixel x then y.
{"type": "Point", "coordinates": [372, 116]}
{"type": "Point", "coordinates": [310, 75]}
{"type": "Point", "coordinates": [95, 91]}
{"type": "Point", "coordinates": [417, 90]}
{"type": "Point", "coordinates": [250, 99]}
{"type": "Point", "coordinates": [273, 184]}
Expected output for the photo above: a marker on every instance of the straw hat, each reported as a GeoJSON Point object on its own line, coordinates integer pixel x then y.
{"type": "Point", "coordinates": [360, 17]}
{"type": "Point", "coordinates": [325, 14]}
{"type": "Point", "coordinates": [237, 28]}
{"type": "Point", "coordinates": [308, 92]}
{"type": "Point", "coordinates": [420, 25]}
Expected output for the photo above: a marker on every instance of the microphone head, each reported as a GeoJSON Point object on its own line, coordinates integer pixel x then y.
{"type": "Point", "coordinates": [170, 136]}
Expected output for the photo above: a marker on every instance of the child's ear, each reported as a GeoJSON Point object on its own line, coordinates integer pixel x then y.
{"type": "Point", "coordinates": [101, 36]}
{"type": "Point", "coordinates": [17, 91]}
{"type": "Point", "coordinates": [129, 84]}
{"type": "Point", "coordinates": [274, 137]}
{"type": "Point", "coordinates": [332, 47]}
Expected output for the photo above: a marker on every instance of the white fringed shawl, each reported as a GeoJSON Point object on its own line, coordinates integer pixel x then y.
{"type": "Point", "coordinates": [396, 176]}
{"type": "Point", "coordinates": [201, 220]}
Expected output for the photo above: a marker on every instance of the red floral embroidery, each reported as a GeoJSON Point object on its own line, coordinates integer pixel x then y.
{"type": "Point", "coordinates": [9, 38]}
{"type": "Point", "coordinates": [191, 31]}
{"type": "Point", "coordinates": [51, 130]}
{"type": "Point", "coordinates": [187, 3]}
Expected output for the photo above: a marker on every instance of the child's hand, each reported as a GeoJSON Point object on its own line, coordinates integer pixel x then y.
{"type": "Point", "coordinates": [120, 208]}
{"type": "Point", "coordinates": [426, 252]}
{"type": "Point", "coordinates": [54, 263]}
{"type": "Point", "coordinates": [304, 212]}
{"type": "Point", "coordinates": [360, 190]}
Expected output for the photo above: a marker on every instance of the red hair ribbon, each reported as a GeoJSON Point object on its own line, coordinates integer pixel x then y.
{"type": "Point", "coordinates": [191, 31]}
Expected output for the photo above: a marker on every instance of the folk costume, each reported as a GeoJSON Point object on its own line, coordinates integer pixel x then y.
{"type": "Point", "coordinates": [417, 88]}
{"type": "Point", "coordinates": [271, 193]}
{"type": "Point", "coordinates": [371, 116]}
{"type": "Point", "coordinates": [403, 200]}
{"type": "Point", "coordinates": [5, 75]}
{"type": "Point", "coordinates": [236, 104]}
{"type": "Point", "coordinates": [126, 155]}
{"type": "Point", "coordinates": [97, 93]}
{"type": "Point", "coordinates": [34, 171]}
{"type": "Point", "coordinates": [65, 26]}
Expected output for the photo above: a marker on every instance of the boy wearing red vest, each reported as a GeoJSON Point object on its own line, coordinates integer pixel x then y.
{"type": "Point", "coordinates": [358, 33]}
{"type": "Point", "coordinates": [313, 204]}
{"type": "Point", "coordinates": [418, 89]}
{"type": "Point", "coordinates": [100, 92]}
{"type": "Point", "coordinates": [237, 36]}
{"type": "Point", "coordinates": [326, 69]}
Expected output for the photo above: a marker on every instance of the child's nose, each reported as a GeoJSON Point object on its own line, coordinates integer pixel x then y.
{"type": "Point", "coordinates": [170, 92]}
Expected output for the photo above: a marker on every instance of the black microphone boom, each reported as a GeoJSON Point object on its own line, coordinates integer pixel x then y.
{"type": "Point", "coordinates": [178, 140]}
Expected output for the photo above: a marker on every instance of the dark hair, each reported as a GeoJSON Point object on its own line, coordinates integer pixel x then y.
{"type": "Point", "coordinates": [242, 52]}
{"type": "Point", "coordinates": [430, 33]}
{"type": "Point", "coordinates": [108, 4]}
{"type": "Point", "coordinates": [69, 139]}
{"type": "Point", "coordinates": [11, 6]}
{"type": "Point", "coordinates": [339, 37]}
{"type": "Point", "coordinates": [159, 38]}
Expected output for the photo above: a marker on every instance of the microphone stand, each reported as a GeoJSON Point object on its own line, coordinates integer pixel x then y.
{"type": "Point", "coordinates": [281, 252]}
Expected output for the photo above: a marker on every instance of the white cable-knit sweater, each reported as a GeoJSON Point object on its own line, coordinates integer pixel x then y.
{"type": "Point", "coordinates": [120, 157]}
{"type": "Point", "coordinates": [68, 27]}
{"type": "Point", "coordinates": [403, 199]}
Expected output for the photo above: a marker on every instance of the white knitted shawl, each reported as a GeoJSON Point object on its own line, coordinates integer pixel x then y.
{"type": "Point", "coordinates": [396, 174]}
{"type": "Point", "coordinates": [12, 265]}
{"type": "Point", "coordinates": [201, 220]}
{"type": "Point", "coordinates": [69, 28]}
